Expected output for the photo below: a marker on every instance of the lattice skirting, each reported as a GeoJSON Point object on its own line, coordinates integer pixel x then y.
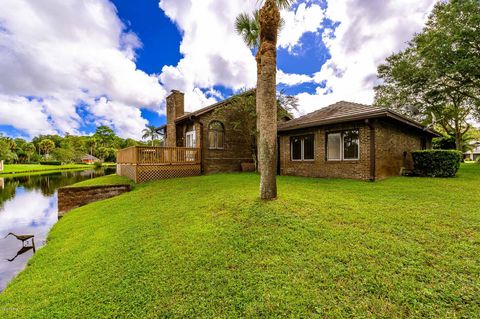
{"type": "Point", "coordinates": [144, 173]}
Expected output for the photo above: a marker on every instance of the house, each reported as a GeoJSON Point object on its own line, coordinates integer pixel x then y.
{"type": "Point", "coordinates": [89, 159]}
{"type": "Point", "coordinates": [350, 140]}
{"type": "Point", "coordinates": [474, 154]}
{"type": "Point", "coordinates": [223, 145]}
{"type": "Point", "coordinates": [344, 140]}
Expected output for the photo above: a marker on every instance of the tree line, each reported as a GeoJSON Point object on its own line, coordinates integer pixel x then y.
{"type": "Point", "coordinates": [103, 144]}
{"type": "Point", "coordinates": [436, 79]}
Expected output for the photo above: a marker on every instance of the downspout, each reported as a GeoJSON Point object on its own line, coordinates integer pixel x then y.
{"type": "Point", "coordinates": [372, 149]}
{"type": "Point", "coordinates": [201, 147]}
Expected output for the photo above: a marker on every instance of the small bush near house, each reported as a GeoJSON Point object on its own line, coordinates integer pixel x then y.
{"type": "Point", "coordinates": [97, 164]}
{"type": "Point", "coordinates": [51, 163]}
{"type": "Point", "coordinates": [436, 163]}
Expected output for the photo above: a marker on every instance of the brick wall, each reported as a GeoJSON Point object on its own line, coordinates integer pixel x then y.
{"type": "Point", "coordinates": [236, 145]}
{"type": "Point", "coordinates": [73, 197]}
{"type": "Point", "coordinates": [394, 146]}
{"type": "Point", "coordinates": [394, 143]}
{"type": "Point", "coordinates": [175, 109]}
{"type": "Point", "coordinates": [320, 167]}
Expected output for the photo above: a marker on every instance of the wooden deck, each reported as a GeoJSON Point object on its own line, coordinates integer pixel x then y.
{"type": "Point", "coordinates": [143, 163]}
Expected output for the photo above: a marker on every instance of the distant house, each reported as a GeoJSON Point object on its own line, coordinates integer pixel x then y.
{"type": "Point", "coordinates": [343, 140]}
{"type": "Point", "coordinates": [90, 159]}
{"type": "Point", "coordinates": [474, 154]}
{"type": "Point", "coordinates": [350, 140]}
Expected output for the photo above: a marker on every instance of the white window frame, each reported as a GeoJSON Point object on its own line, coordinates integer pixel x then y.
{"type": "Point", "coordinates": [342, 146]}
{"type": "Point", "coordinates": [192, 135]}
{"type": "Point", "coordinates": [302, 148]}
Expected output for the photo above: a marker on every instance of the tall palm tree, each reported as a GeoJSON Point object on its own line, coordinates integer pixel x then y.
{"type": "Point", "coordinates": [260, 30]}
{"type": "Point", "coordinates": [150, 132]}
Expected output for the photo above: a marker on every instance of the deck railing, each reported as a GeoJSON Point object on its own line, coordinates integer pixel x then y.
{"type": "Point", "coordinates": [158, 155]}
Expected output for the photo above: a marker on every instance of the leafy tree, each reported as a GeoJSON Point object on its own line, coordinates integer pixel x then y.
{"type": "Point", "coordinates": [129, 142]}
{"type": "Point", "coordinates": [437, 77]}
{"type": "Point", "coordinates": [150, 132]}
{"type": "Point", "coordinates": [46, 146]}
{"type": "Point", "coordinates": [29, 149]}
{"type": "Point", "coordinates": [261, 31]}
{"type": "Point", "coordinates": [91, 144]}
{"type": "Point", "coordinates": [105, 136]}
{"type": "Point", "coordinates": [107, 154]}
{"type": "Point", "coordinates": [5, 152]}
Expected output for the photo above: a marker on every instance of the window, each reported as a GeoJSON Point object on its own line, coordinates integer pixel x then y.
{"type": "Point", "coordinates": [215, 135]}
{"type": "Point", "coordinates": [302, 148]}
{"type": "Point", "coordinates": [343, 145]}
{"type": "Point", "coordinates": [190, 140]}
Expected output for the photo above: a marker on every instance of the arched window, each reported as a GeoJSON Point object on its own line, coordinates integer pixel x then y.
{"type": "Point", "coordinates": [216, 135]}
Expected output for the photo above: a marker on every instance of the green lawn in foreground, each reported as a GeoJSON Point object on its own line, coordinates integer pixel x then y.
{"type": "Point", "coordinates": [206, 247]}
{"type": "Point", "coordinates": [30, 168]}
{"type": "Point", "coordinates": [112, 179]}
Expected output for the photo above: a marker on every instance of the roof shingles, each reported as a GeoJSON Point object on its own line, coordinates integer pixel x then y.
{"type": "Point", "coordinates": [344, 112]}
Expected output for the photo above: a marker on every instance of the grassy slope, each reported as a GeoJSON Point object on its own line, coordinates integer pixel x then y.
{"type": "Point", "coordinates": [112, 179]}
{"type": "Point", "coordinates": [205, 247]}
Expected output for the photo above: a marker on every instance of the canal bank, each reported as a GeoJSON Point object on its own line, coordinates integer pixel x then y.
{"type": "Point", "coordinates": [28, 205]}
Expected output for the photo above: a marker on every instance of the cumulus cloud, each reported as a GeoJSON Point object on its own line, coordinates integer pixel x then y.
{"type": "Point", "coordinates": [64, 52]}
{"type": "Point", "coordinates": [121, 117]}
{"type": "Point", "coordinates": [58, 54]}
{"type": "Point", "coordinates": [25, 114]}
{"type": "Point", "coordinates": [305, 18]}
{"type": "Point", "coordinates": [291, 79]}
{"type": "Point", "coordinates": [369, 31]}
{"type": "Point", "coordinates": [213, 55]}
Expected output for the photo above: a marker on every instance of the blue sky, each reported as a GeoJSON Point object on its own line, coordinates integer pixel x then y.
{"type": "Point", "coordinates": [77, 65]}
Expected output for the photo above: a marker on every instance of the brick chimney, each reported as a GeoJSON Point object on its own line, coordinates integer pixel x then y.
{"type": "Point", "coordinates": [175, 109]}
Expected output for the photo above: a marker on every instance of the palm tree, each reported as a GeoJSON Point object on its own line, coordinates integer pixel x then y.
{"type": "Point", "coordinates": [261, 31]}
{"type": "Point", "coordinates": [150, 132]}
{"type": "Point", "coordinates": [46, 146]}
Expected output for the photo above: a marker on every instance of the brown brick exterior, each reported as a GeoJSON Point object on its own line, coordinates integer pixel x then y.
{"type": "Point", "coordinates": [394, 146]}
{"type": "Point", "coordinates": [175, 109]}
{"type": "Point", "coordinates": [236, 148]}
{"type": "Point", "coordinates": [391, 140]}
{"type": "Point", "coordinates": [320, 167]}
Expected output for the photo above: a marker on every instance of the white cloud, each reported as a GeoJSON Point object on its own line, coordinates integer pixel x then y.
{"type": "Point", "coordinates": [369, 31]}
{"type": "Point", "coordinates": [65, 51]}
{"type": "Point", "coordinates": [306, 18]}
{"type": "Point", "coordinates": [123, 118]}
{"type": "Point", "coordinates": [212, 52]}
{"type": "Point", "coordinates": [24, 114]}
{"type": "Point", "coordinates": [292, 79]}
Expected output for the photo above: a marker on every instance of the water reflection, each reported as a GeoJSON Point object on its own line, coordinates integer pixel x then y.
{"type": "Point", "coordinates": [28, 205]}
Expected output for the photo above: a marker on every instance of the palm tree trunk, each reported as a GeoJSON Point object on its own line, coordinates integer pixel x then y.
{"type": "Point", "coordinates": [266, 99]}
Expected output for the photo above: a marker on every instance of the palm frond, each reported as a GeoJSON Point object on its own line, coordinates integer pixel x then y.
{"type": "Point", "coordinates": [248, 27]}
{"type": "Point", "coordinates": [285, 4]}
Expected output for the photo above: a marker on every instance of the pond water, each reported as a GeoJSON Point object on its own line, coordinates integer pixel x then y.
{"type": "Point", "coordinates": [28, 206]}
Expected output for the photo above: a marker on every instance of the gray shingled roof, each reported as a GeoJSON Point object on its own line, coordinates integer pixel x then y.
{"type": "Point", "coordinates": [346, 112]}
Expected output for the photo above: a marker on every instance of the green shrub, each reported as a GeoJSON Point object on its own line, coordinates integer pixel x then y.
{"type": "Point", "coordinates": [51, 163]}
{"type": "Point", "coordinates": [436, 163]}
{"type": "Point", "coordinates": [97, 164]}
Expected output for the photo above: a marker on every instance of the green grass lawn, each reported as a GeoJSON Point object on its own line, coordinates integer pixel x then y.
{"type": "Point", "coordinates": [31, 168]}
{"type": "Point", "coordinates": [206, 247]}
{"type": "Point", "coordinates": [112, 179]}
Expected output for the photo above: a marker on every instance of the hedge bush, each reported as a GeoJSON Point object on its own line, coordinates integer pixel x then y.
{"type": "Point", "coordinates": [436, 163]}
{"type": "Point", "coordinates": [51, 163]}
